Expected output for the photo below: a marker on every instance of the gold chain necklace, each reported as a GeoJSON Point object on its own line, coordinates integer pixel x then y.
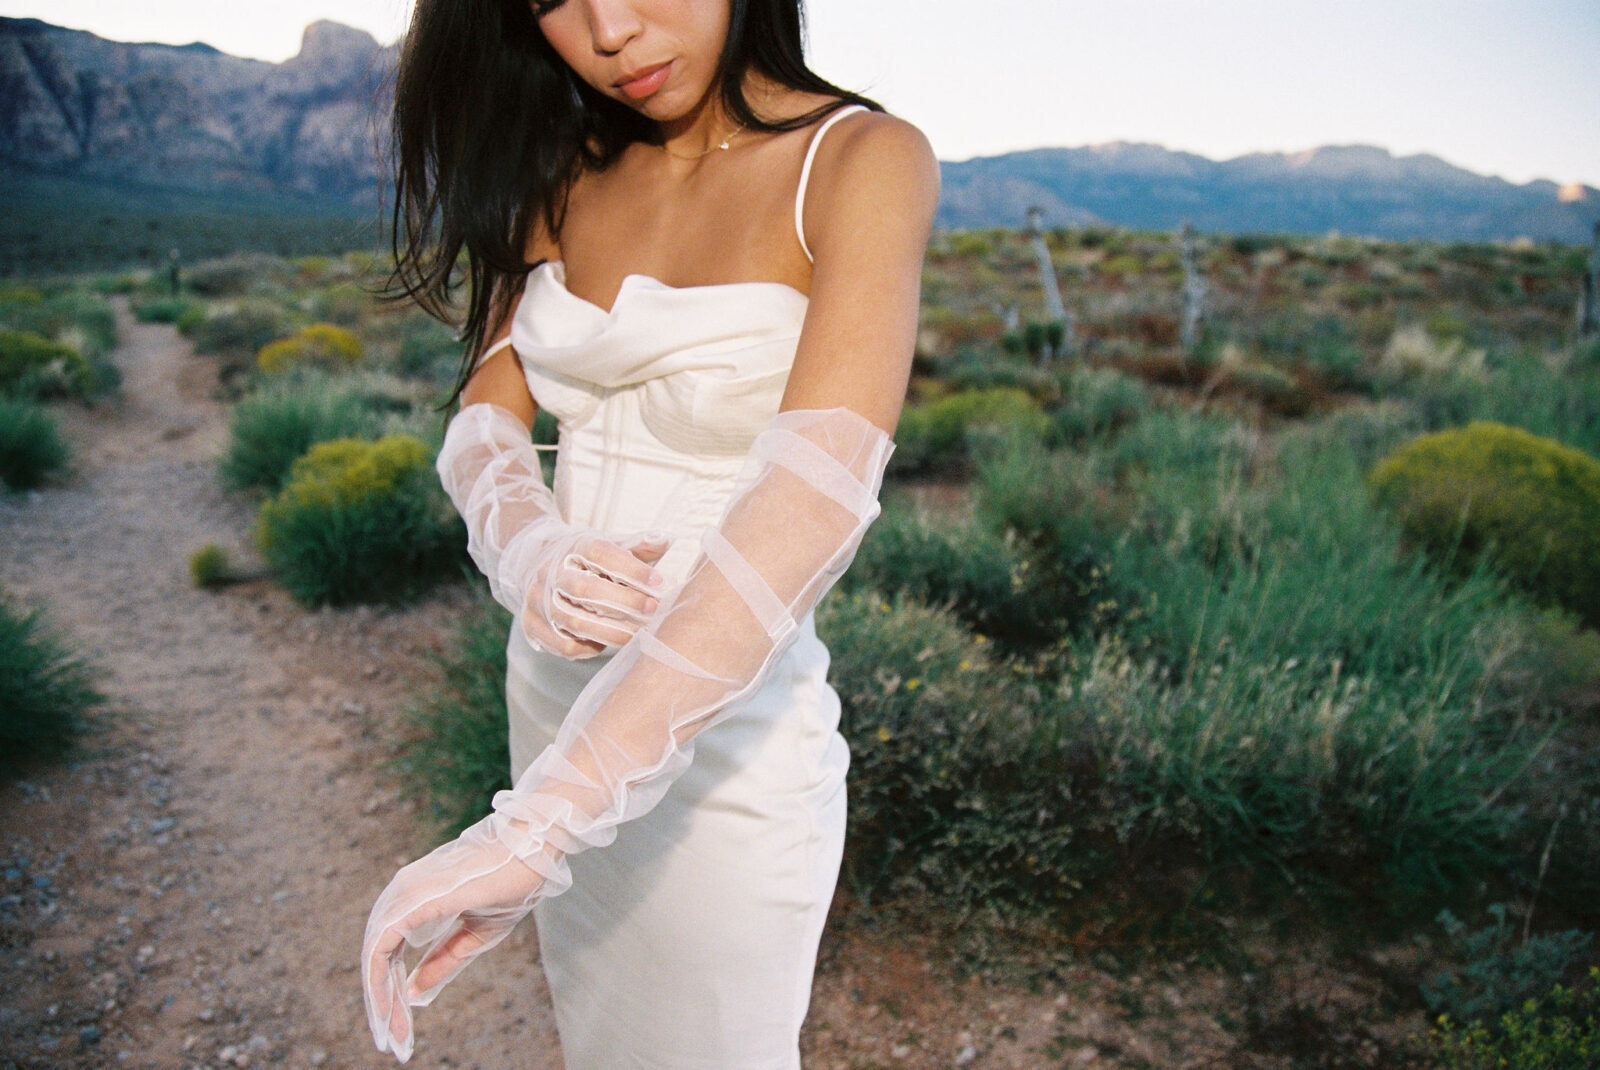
{"type": "Point", "coordinates": [735, 132]}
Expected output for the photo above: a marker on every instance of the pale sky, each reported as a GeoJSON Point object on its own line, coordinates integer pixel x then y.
{"type": "Point", "coordinates": [1504, 87]}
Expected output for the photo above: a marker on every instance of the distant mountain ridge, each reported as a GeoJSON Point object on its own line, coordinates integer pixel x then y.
{"type": "Point", "coordinates": [1355, 189]}
{"type": "Point", "coordinates": [190, 117]}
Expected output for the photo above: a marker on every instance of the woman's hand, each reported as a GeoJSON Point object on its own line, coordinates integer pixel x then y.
{"type": "Point", "coordinates": [595, 594]}
{"type": "Point", "coordinates": [459, 901]}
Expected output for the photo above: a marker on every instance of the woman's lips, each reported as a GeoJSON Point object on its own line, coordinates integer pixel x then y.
{"type": "Point", "coordinates": [646, 81]}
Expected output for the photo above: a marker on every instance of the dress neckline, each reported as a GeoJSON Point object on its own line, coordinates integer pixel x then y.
{"type": "Point", "coordinates": [558, 275]}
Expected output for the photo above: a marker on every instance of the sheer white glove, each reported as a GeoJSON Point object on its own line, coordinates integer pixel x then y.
{"type": "Point", "coordinates": [573, 590]}
{"type": "Point", "coordinates": [807, 495]}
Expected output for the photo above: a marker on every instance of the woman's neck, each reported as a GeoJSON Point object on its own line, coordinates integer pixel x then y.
{"type": "Point", "coordinates": [710, 126]}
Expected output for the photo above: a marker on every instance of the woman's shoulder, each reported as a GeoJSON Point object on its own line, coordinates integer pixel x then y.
{"type": "Point", "coordinates": [875, 137]}
{"type": "Point", "coordinates": [872, 157]}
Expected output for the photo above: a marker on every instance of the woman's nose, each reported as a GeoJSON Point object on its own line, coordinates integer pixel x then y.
{"type": "Point", "coordinates": [612, 24]}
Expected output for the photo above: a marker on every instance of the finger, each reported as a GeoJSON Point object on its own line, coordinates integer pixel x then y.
{"type": "Point", "coordinates": [542, 635]}
{"type": "Point", "coordinates": [448, 957]}
{"type": "Point", "coordinates": [388, 1016]}
{"type": "Point", "coordinates": [621, 566]}
{"type": "Point", "coordinates": [596, 629]}
{"type": "Point", "coordinates": [602, 596]}
{"type": "Point", "coordinates": [647, 546]}
{"type": "Point", "coordinates": [399, 1011]}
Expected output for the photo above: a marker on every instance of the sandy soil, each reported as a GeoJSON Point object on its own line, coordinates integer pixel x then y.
{"type": "Point", "coordinates": [190, 890]}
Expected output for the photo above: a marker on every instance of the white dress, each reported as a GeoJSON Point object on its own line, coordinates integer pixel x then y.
{"type": "Point", "coordinates": [689, 943]}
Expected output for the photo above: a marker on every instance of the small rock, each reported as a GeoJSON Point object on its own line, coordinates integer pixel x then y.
{"type": "Point", "coordinates": [88, 1035]}
{"type": "Point", "coordinates": [318, 1057]}
{"type": "Point", "coordinates": [900, 1051]}
{"type": "Point", "coordinates": [966, 1056]}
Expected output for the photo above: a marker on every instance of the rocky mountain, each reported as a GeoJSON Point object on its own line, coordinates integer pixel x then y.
{"type": "Point", "coordinates": [1355, 189]}
{"type": "Point", "coordinates": [192, 117]}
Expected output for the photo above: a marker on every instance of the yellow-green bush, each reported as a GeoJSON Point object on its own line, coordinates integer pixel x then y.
{"type": "Point", "coordinates": [1528, 504]}
{"type": "Point", "coordinates": [945, 433]}
{"type": "Point", "coordinates": [344, 303]}
{"type": "Point", "coordinates": [208, 567]}
{"type": "Point", "coordinates": [360, 521]}
{"type": "Point", "coordinates": [32, 366]}
{"type": "Point", "coordinates": [320, 345]}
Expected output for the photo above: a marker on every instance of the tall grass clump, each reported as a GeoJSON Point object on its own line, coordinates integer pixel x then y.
{"type": "Point", "coordinates": [977, 575]}
{"type": "Point", "coordinates": [360, 522]}
{"type": "Point", "coordinates": [460, 753]}
{"type": "Point", "coordinates": [242, 327]}
{"type": "Point", "coordinates": [47, 693]}
{"type": "Point", "coordinates": [1098, 402]}
{"type": "Point", "coordinates": [165, 309]}
{"type": "Point", "coordinates": [1528, 505]}
{"type": "Point", "coordinates": [948, 434]}
{"type": "Point", "coordinates": [948, 798]}
{"type": "Point", "coordinates": [31, 450]}
{"type": "Point", "coordinates": [276, 424]}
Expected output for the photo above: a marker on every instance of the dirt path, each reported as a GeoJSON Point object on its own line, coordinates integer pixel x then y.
{"type": "Point", "coordinates": [190, 891]}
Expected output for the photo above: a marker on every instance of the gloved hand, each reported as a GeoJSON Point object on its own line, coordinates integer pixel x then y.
{"type": "Point", "coordinates": [807, 494]}
{"type": "Point", "coordinates": [457, 901]}
{"type": "Point", "coordinates": [573, 590]}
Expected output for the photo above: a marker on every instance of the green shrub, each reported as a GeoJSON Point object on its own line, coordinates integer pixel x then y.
{"type": "Point", "coordinates": [360, 522]}
{"type": "Point", "coordinates": [190, 320]}
{"type": "Point", "coordinates": [946, 795]}
{"type": "Point", "coordinates": [1272, 386]}
{"type": "Point", "coordinates": [949, 433]}
{"type": "Point", "coordinates": [1098, 402]}
{"type": "Point", "coordinates": [31, 450]}
{"type": "Point", "coordinates": [428, 350]}
{"type": "Point", "coordinates": [460, 754]}
{"type": "Point", "coordinates": [1366, 432]}
{"type": "Point", "coordinates": [1177, 441]}
{"type": "Point", "coordinates": [166, 309]}
{"type": "Point", "coordinates": [77, 318]}
{"type": "Point", "coordinates": [274, 426]}
{"type": "Point", "coordinates": [1529, 505]}
{"type": "Point", "coordinates": [208, 567]}
{"type": "Point", "coordinates": [234, 276]}
{"type": "Point", "coordinates": [1049, 507]}
{"type": "Point", "coordinates": [978, 370]}
{"type": "Point", "coordinates": [240, 328]}
{"type": "Point", "coordinates": [981, 578]}
{"type": "Point", "coordinates": [321, 345]}
{"type": "Point", "coordinates": [35, 367]}
{"type": "Point", "coordinates": [1499, 971]}
{"type": "Point", "coordinates": [1295, 767]}
{"type": "Point", "coordinates": [1586, 358]}
{"type": "Point", "coordinates": [1560, 1032]}
{"type": "Point", "coordinates": [47, 693]}
{"type": "Point", "coordinates": [344, 303]}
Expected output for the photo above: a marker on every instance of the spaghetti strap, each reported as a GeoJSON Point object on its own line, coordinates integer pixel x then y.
{"type": "Point", "coordinates": [805, 174]}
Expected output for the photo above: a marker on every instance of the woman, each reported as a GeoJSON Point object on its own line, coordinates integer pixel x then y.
{"type": "Point", "coordinates": [726, 254]}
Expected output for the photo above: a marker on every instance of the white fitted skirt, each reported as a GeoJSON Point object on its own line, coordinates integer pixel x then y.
{"type": "Point", "coordinates": [689, 943]}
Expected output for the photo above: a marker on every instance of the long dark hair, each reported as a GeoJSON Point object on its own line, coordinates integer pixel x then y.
{"type": "Point", "coordinates": [491, 127]}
